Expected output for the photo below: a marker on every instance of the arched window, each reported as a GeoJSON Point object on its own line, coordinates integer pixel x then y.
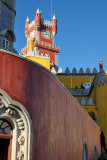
{"type": "Point", "coordinates": [15, 130]}
{"type": "Point", "coordinates": [5, 139]}
{"type": "Point", "coordinates": [95, 153]}
{"type": "Point", "coordinates": [5, 127]}
{"type": "Point", "coordinates": [85, 151]}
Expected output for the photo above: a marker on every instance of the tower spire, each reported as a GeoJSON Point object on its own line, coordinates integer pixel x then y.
{"type": "Point", "coordinates": [54, 16]}
{"type": "Point", "coordinates": [38, 11]}
{"type": "Point", "coordinates": [27, 20]}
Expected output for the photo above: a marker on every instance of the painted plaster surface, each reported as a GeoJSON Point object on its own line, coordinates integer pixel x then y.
{"type": "Point", "coordinates": [60, 125]}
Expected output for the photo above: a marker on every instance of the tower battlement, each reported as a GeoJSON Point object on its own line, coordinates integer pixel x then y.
{"type": "Point", "coordinates": [40, 34]}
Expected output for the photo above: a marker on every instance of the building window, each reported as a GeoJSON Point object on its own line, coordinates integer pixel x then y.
{"type": "Point", "coordinates": [85, 151]}
{"type": "Point", "coordinates": [5, 139]}
{"type": "Point", "coordinates": [5, 44]}
{"type": "Point", "coordinates": [95, 153]}
{"type": "Point", "coordinates": [5, 127]}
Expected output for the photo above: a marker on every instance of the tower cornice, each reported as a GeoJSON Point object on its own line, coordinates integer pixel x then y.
{"type": "Point", "coordinates": [8, 5]}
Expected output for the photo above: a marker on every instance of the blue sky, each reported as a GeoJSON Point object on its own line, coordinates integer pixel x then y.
{"type": "Point", "coordinates": [82, 29]}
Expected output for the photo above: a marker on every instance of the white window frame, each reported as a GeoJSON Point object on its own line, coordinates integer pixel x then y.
{"type": "Point", "coordinates": [5, 44]}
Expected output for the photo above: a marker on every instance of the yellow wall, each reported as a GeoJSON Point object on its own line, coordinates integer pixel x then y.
{"type": "Point", "coordinates": [80, 97]}
{"type": "Point", "coordinates": [101, 101]}
{"type": "Point", "coordinates": [73, 81]}
{"type": "Point", "coordinates": [98, 94]}
{"type": "Point", "coordinates": [44, 62]}
{"type": "Point", "coordinates": [78, 80]}
{"type": "Point", "coordinates": [66, 80]}
{"type": "Point", "coordinates": [89, 109]}
{"type": "Point", "coordinates": [30, 42]}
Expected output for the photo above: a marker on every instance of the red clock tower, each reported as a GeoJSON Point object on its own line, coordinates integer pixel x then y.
{"type": "Point", "coordinates": [40, 35]}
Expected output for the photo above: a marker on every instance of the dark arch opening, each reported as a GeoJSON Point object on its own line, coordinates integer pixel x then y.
{"type": "Point", "coordinates": [92, 115]}
{"type": "Point", "coordinates": [85, 151]}
{"type": "Point", "coordinates": [5, 139]}
{"type": "Point", "coordinates": [95, 153]}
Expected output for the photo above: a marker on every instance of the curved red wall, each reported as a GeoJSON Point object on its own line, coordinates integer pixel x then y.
{"type": "Point", "coordinates": [60, 125]}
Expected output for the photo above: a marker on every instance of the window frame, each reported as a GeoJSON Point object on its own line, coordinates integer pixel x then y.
{"type": "Point", "coordinates": [5, 44]}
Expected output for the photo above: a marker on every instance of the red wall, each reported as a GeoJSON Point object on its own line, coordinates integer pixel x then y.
{"type": "Point", "coordinates": [60, 125]}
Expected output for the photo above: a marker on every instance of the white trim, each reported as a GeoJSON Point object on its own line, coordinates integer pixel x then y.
{"type": "Point", "coordinates": [71, 82]}
{"type": "Point", "coordinates": [6, 43]}
{"type": "Point", "coordinates": [21, 123]}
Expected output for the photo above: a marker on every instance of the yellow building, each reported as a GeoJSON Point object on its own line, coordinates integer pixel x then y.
{"type": "Point", "coordinates": [90, 90]}
{"type": "Point", "coordinates": [41, 60]}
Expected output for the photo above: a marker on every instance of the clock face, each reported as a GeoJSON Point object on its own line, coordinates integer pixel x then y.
{"type": "Point", "coordinates": [45, 34]}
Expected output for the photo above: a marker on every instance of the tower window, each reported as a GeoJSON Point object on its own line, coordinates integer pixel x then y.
{"type": "Point", "coordinates": [5, 43]}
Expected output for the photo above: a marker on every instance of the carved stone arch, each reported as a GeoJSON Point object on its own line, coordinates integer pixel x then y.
{"type": "Point", "coordinates": [22, 131]}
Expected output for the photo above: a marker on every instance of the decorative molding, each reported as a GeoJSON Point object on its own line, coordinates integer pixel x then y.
{"type": "Point", "coordinates": [100, 78]}
{"type": "Point", "coordinates": [21, 140]}
{"type": "Point", "coordinates": [31, 24]}
{"type": "Point", "coordinates": [21, 123]}
{"type": "Point", "coordinates": [53, 70]}
{"type": "Point", "coordinates": [88, 102]}
{"type": "Point", "coordinates": [20, 155]}
{"type": "Point", "coordinates": [79, 92]}
{"type": "Point", "coordinates": [1, 104]}
{"type": "Point", "coordinates": [46, 23]}
{"type": "Point", "coordinates": [83, 101]}
{"type": "Point", "coordinates": [60, 70]}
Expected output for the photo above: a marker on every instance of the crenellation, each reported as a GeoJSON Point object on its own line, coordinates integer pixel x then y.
{"type": "Point", "coordinates": [67, 71]}
{"type": "Point", "coordinates": [87, 70]}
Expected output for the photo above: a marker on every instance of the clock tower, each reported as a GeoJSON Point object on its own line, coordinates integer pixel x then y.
{"type": "Point", "coordinates": [40, 34]}
{"type": "Point", "coordinates": [7, 17]}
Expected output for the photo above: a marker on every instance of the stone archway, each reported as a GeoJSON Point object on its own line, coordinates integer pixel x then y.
{"type": "Point", "coordinates": [19, 118]}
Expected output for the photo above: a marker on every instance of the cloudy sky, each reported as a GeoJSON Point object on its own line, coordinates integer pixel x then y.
{"type": "Point", "coordinates": [82, 29]}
